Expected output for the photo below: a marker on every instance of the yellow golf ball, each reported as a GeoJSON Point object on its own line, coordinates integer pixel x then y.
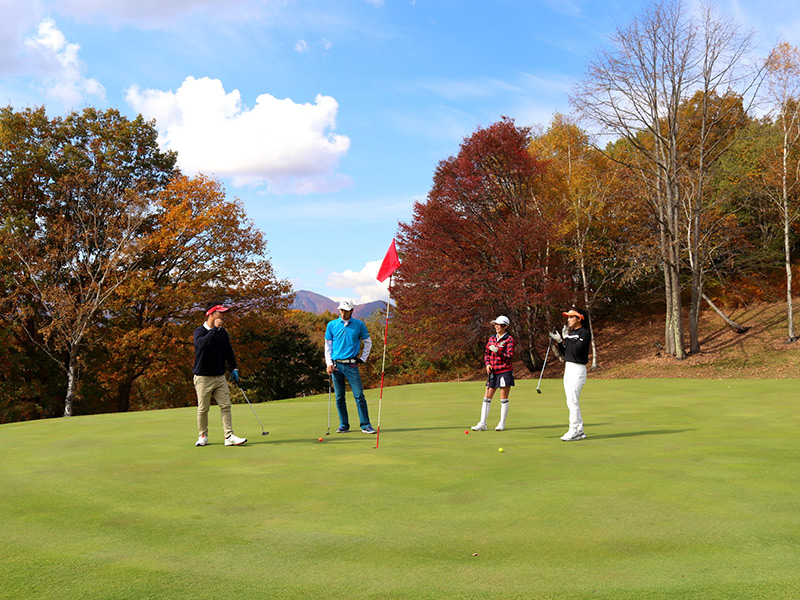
{"type": "Point", "coordinates": [500, 450]}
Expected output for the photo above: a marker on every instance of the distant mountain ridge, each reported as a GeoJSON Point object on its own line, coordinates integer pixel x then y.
{"type": "Point", "coordinates": [319, 304]}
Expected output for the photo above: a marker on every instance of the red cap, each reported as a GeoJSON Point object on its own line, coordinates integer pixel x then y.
{"type": "Point", "coordinates": [217, 308]}
{"type": "Point", "coordinates": [573, 313]}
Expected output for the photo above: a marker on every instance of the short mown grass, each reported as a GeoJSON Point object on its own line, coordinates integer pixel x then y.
{"type": "Point", "coordinates": [682, 489]}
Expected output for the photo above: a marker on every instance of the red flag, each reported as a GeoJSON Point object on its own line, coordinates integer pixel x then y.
{"type": "Point", "coordinates": [389, 264]}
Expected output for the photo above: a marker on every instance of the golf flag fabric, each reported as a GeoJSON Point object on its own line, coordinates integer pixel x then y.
{"type": "Point", "coordinates": [389, 264]}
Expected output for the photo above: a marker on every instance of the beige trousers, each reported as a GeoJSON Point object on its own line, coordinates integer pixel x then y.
{"type": "Point", "coordinates": [215, 388]}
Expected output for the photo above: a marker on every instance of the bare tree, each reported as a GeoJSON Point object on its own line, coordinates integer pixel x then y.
{"type": "Point", "coordinates": [713, 124]}
{"type": "Point", "coordinates": [634, 91]}
{"type": "Point", "coordinates": [637, 91]}
{"type": "Point", "coordinates": [783, 85]}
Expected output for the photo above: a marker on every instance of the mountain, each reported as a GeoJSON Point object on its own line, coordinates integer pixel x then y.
{"type": "Point", "coordinates": [319, 304]}
{"type": "Point", "coordinates": [313, 303]}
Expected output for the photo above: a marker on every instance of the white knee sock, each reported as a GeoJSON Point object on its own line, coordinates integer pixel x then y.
{"type": "Point", "coordinates": [503, 413]}
{"type": "Point", "coordinates": [487, 404]}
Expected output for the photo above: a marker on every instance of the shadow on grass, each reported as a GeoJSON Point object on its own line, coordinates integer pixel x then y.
{"type": "Point", "coordinates": [625, 434]}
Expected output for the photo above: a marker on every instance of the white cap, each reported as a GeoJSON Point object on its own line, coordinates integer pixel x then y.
{"type": "Point", "coordinates": [345, 305]}
{"type": "Point", "coordinates": [501, 320]}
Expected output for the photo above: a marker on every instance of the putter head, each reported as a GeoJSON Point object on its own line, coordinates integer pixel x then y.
{"type": "Point", "coordinates": [538, 391]}
{"type": "Point", "coordinates": [265, 433]}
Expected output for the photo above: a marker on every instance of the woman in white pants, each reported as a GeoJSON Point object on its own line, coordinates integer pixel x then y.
{"type": "Point", "coordinates": [574, 343]}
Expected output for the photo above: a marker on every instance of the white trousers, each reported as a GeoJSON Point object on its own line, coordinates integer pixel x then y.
{"type": "Point", "coordinates": [574, 378]}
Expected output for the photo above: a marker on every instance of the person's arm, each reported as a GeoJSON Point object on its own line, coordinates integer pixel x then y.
{"type": "Point", "coordinates": [203, 337]}
{"type": "Point", "coordinates": [229, 354]}
{"type": "Point", "coordinates": [506, 350]}
{"type": "Point", "coordinates": [366, 349]}
{"type": "Point", "coordinates": [328, 350]}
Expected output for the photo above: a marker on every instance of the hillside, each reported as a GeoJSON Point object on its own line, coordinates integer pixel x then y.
{"type": "Point", "coordinates": [632, 349]}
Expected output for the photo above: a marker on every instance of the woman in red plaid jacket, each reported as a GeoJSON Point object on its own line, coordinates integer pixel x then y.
{"type": "Point", "coordinates": [498, 354]}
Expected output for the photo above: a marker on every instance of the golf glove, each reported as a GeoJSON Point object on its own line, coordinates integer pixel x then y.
{"type": "Point", "coordinates": [555, 337]}
{"type": "Point", "coordinates": [235, 376]}
{"type": "Point", "coordinates": [565, 331]}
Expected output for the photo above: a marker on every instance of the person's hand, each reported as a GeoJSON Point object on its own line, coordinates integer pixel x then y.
{"type": "Point", "coordinates": [565, 331]}
{"type": "Point", "coordinates": [331, 368]}
{"type": "Point", "coordinates": [555, 337]}
{"type": "Point", "coordinates": [235, 376]}
{"type": "Point", "coordinates": [488, 369]}
{"type": "Point", "coordinates": [217, 322]}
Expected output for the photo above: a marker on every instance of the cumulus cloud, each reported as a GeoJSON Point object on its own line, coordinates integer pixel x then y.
{"type": "Point", "coordinates": [301, 46]}
{"type": "Point", "coordinates": [63, 73]}
{"type": "Point", "coordinates": [363, 282]}
{"type": "Point", "coordinates": [288, 147]}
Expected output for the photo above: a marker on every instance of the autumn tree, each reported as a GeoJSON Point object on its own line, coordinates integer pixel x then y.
{"type": "Point", "coordinates": [599, 223]}
{"type": "Point", "coordinates": [635, 91]}
{"type": "Point", "coordinates": [279, 358]}
{"type": "Point", "coordinates": [480, 246]}
{"type": "Point", "coordinates": [195, 246]}
{"type": "Point", "coordinates": [783, 176]}
{"type": "Point", "coordinates": [75, 192]}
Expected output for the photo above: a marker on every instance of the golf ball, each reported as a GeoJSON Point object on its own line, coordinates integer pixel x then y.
{"type": "Point", "coordinates": [467, 431]}
{"type": "Point", "coordinates": [500, 450]}
{"type": "Point", "coordinates": [320, 439]}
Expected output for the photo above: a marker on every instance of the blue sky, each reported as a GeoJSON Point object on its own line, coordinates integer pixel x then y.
{"type": "Point", "coordinates": [327, 118]}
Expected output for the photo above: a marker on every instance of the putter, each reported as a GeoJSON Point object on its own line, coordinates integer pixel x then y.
{"type": "Point", "coordinates": [544, 364]}
{"type": "Point", "coordinates": [330, 384]}
{"type": "Point", "coordinates": [263, 432]}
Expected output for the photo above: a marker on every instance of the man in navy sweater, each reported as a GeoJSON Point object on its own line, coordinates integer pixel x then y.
{"type": "Point", "coordinates": [212, 349]}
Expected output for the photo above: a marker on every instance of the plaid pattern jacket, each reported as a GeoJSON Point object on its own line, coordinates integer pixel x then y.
{"type": "Point", "coordinates": [499, 361]}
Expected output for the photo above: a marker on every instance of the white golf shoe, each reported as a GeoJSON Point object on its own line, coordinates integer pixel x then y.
{"type": "Point", "coordinates": [573, 436]}
{"type": "Point", "coordinates": [232, 440]}
{"type": "Point", "coordinates": [500, 427]}
{"type": "Point", "coordinates": [479, 427]}
{"type": "Point", "coordinates": [202, 441]}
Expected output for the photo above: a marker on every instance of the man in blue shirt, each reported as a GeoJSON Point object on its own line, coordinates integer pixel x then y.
{"type": "Point", "coordinates": [343, 355]}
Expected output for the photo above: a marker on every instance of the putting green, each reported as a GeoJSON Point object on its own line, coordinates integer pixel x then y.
{"type": "Point", "coordinates": [682, 489]}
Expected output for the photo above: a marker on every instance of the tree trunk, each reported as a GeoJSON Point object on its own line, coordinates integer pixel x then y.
{"type": "Point", "coordinates": [586, 303]}
{"type": "Point", "coordinates": [728, 321]}
{"type": "Point", "coordinates": [788, 262]}
{"type": "Point", "coordinates": [124, 393]}
{"type": "Point", "coordinates": [72, 383]}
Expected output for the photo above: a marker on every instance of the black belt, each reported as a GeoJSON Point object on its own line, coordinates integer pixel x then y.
{"type": "Point", "coordinates": [347, 361]}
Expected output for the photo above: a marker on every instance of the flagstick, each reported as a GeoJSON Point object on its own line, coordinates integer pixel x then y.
{"type": "Point", "coordinates": [383, 364]}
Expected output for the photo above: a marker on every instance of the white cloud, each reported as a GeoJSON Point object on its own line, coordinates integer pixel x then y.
{"type": "Point", "coordinates": [16, 23]}
{"type": "Point", "coordinates": [363, 282]}
{"type": "Point", "coordinates": [286, 146]}
{"type": "Point", "coordinates": [62, 72]}
{"type": "Point", "coordinates": [301, 46]}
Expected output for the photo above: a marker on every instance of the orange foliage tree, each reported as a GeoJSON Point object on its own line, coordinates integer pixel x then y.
{"type": "Point", "coordinates": [197, 247]}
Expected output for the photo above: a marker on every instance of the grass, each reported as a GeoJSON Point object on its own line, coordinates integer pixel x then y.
{"type": "Point", "coordinates": [683, 489]}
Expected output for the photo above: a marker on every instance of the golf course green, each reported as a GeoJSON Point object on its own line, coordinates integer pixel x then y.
{"type": "Point", "coordinates": [682, 489]}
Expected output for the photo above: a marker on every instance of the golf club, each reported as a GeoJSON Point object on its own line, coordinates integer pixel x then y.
{"type": "Point", "coordinates": [544, 364]}
{"type": "Point", "coordinates": [330, 384]}
{"type": "Point", "coordinates": [263, 432]}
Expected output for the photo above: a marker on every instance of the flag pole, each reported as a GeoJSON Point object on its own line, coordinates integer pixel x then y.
{"type": "Point", "coordinates": [383, 364]}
